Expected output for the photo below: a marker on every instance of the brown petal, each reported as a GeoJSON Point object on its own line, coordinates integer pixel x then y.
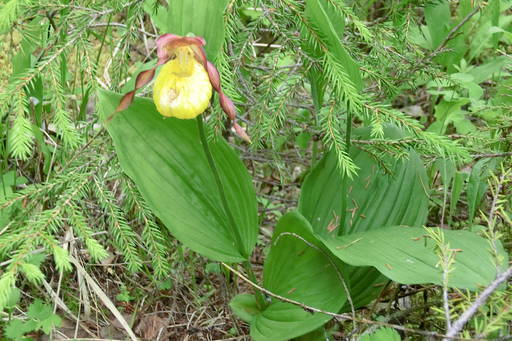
{"type": "Point", "coordinates": [200, 55]}
{"type": "Point", "coordinates": [168, 42]}
{"type": "Point", "coordinates": [241, 133]}
{"type": "Point", "coordinates": [124, 102]}
{"type": "Point", "coordinates": [214, 76]}
{"type": "Point", "coordinates": [144, 78]}
{"type": "Point", "coordinates": [227, 105]}
{"type": "Point", "coordinates": [200, 40]}
{"type": "Point", "coordinates": [162, 42]}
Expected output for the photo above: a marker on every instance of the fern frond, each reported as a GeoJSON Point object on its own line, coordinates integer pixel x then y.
{"type": "Point", "coordinates": [341, 8]}
{"type": "Point", "coordinates": [32, 272]}
{"type": "Point", "coordinates": [7, 285]}
{"type": "Point", "coordinates": [339, 79]}
{"type": "Point", "coordinates": [20, 135]}
{"type": "Point", "coordinates": [152, 235]}
{"type": "Point", "coordinates": [9, 12]}
{"type": "Point", "coordinates": [334, 139]}
{"type": "Point", "coordinates": [273, 111]}
{"type": "Point", "coordinates": [61, 258]}
{"type": "Point", "coordinates": [124, 237]}
{"type": "Point", "coordinates": [61, 118]}
{"type": "Point", "coordinates": [82, 229]}
{"type": "Point", "coordinates": [433, 141]}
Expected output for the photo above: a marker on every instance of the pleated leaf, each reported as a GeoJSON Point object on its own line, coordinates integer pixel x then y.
{"type": "Point", "coordinates": [165, 159]}
{"type": "Point", "coordinates": [382, 334]}
{"type": "Point", "coordinates": [201, 17]}
{"type": "Point", "coordinates": [407, 255]}
{"type": "Point", "coordinates": [374, 200]}
{"type": "Point", "coordinates": [296, 268]}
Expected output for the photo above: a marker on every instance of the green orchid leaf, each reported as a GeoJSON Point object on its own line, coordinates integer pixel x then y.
{"type": "Point", "coordinates": [407, 255]}
{"type": "Point", "coordinates": [165, 159]}
{"type": "Point", "coordinates": [382, 334]}
{"type": "Point", "coordinates": [299, 269]}
{"type": "Point", "coordinates": [375, 199]}
{"type": "Point", "coordinates": [245, 307]}
{"type": "Point", "coordinates": [203, 18]}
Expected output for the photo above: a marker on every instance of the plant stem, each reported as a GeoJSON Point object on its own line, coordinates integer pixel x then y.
{"type": "Point", "coordinates": [233, 227]}
{"type": "Point", "coordinates": [220, 187]}
{"type": "Point", "coordinates": [348, 130]}
{"type": "Point", "coordinates": [260, 299]}
{"type": "Point", "coordinates": [344, 182]}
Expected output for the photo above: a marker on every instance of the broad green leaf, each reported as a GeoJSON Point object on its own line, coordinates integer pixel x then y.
{"type": "Point", "coordinates": [43, 315]}
{"type": "Point", "coordinates": [487, 70]}
{"type": "Point", "coordinates": [165, 159]}
{"type": "Point", "coordinates": [203, 18]}
{"type": "Point", "coordinates": [477, 184]}
{"type": "Point", "coordinates": [317, 83]}
{"type": "Point", "coordinates": [446, 168]}
{"type": "Point", "coordinates": [457, 186]}
{"type": "Point", "coordinates": [375, 199]}
{"type": "Point", "coordinates": [329, 27]}
{"type": "Point", "coordinates": [319, 334]}
{"type": "Point", "coordinates": [296, 268]}
{"type": "Point", "coordinates": [446, 112]}
{"type": "Point", "coordinates": [407, 255]}
{"type": "Point", "coordinates": [16, 329]}
{"type": "Point", "coordinates": [490, 28]}
{"type": "Point", "coordinates": [245, 307]}
{"type": "Point", "coordinates": [438, 19]}
{"type": "Point", "coordinates": [487, 35]}
{"type": "Point", "coordinates": [382, 334]}
{"type": "Point", "coordinates": [439, 23]}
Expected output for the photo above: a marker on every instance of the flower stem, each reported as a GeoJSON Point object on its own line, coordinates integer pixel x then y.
{"type": "Point", "coordinates": [233, 227]}
{"type": "Point", "coordinates": [220, 187]}
{"type": "Point", "coordinates": [344, 183]}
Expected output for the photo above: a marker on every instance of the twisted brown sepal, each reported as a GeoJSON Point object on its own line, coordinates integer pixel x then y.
{"type": "Point", "coordinates": [143, 78]}
{"type": "Point", "coordinates": [225, 102]}
{"type": "Point", "coordinates": [241, 133]}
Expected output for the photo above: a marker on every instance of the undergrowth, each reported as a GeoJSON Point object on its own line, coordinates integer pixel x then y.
{"type": "Point", "coordinates": [65, 200]}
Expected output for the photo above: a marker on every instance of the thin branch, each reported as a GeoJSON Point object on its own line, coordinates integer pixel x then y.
{"type": "Point", "coordinates": [452, 33]}
{"type": "Point", "coordinates": [123, 26]}
{"type": "Point", "coordinates": [446, 301]}
{"type": "Point", "coordinates": [340, 276]}
{"type": "Point", "coordinates": [481, 299]}
{"type": "Point", "coordinates": [483, 156]}
{"type": "Point", "coordinates": [344, 317]}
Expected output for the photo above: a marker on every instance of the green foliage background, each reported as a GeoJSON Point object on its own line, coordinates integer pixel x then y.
{"type": "Point", "coordinates": [304, 74]}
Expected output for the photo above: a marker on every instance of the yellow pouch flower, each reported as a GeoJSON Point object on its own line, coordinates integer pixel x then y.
{"type": "Point", "coordinates": [185, 84]}
{"type": "Point", "coordinates": [182, 88]}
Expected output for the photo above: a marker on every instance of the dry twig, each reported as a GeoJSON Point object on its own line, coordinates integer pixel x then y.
{"type": "Point", "coordinates": [345, 317]}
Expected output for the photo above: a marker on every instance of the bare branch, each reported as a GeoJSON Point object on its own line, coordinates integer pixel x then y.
{"type": "Point", "coordinates": [480, 301]}
{"type": "Point", "coordinates": [344, 317]}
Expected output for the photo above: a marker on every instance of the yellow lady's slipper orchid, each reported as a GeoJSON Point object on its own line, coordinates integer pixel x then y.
{"type": "Point", "coordinates": [183, 88]}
